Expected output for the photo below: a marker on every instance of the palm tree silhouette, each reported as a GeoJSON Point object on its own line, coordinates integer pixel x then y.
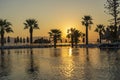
{"type": "Point", "coordinates": [5, 26]}
{"type": "Point", "coordinates": [77, 34]}
{"type": "Point", "coordinates": [31, 24]}
{"type": "Point", "coordinates": [74, 34]}
{"type": "Point", "coordinates": [55, 34]}
{"type": "Point", "coordinates": [71, 35]}
{"type": "Point", "coordinates": [87, 22]}
{"type": "Point", "coordinates": [100, 29]}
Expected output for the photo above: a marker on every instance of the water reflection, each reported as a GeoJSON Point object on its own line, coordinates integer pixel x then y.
{"type": "Point", "coordinates": [70, 52]}
{"type": "Point", "coordinates": [87, 54]}
{"type": "Point", "coordinates": [66, 65]}
{"type": "Point", "coordinates": [111, 63]}
{"type": "Point", "coordinates": [5, 64]}
{"type": "Point", "coordinates": [56, 52]}
{"type": "Point", "coordinates": [32, 66]}
{"type": "Point", "coordinates": [114, 64]}
{"type": "Point", "coordinates": [87, 68]}
{"type": "Point", "coordinates": [59, 64]}
{"type": "Point", "coordinates": [73, 52]}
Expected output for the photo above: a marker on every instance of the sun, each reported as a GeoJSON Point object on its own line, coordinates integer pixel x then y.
{"type": "Point", "coordinates": [65, 31]}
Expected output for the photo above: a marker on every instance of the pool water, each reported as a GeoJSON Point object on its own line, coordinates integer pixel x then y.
{"type": "Point", "coordinates": [60, 64]}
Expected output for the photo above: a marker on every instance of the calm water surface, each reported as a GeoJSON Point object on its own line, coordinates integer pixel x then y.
{"type": "Point", "coordinates": [60, 64]}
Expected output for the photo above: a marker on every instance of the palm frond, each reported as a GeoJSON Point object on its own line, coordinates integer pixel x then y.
{"type": "Point", "coordinates": [87, 21]}
{"type": "Point", "coordinates": [26, 26]}
{"type": "Point", "coordinates": [35, 26]}
{"type": "Point", "coordinates": [5, 26]}
{"type": "Point", "coordinates": [55, 32]}
{"type": "Point", "coordinates": [31, 23]}
{"type": "Point", "coordinates": [96, 30]}
{"type": "Point", "coordinates": [8, 30]}
{"type": "Point", "coordinates": [99, 28]}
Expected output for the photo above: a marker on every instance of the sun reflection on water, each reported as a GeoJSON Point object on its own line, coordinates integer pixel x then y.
{"type": "Point", "coordinates": [68, 70]}
{"type": "Point", "coordinates": [68, 64]}
{"type": "Point", "coordinates": [70, 52]}
{"type": "Point", "coordinates": [38, 64]}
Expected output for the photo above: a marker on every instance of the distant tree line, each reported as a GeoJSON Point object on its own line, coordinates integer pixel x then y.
{"type": "Point", "coordinates": [21, 40]}
{"type": "Point", "coordinates": [107, 33]}
{"type": "Point", "coordinates": [42, 40]}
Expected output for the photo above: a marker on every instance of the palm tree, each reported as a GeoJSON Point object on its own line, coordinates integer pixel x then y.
{"type": "Point", "coordinates": [77, 34]}
{"type": "Point", "coordinates": [87, 22]}
{"type": "Point", "coordinates": [100, 29]}
{"type": "Point", "coordinates": [74, 34]}
{"type": "Point", "coordinates": [55, 34]}
{"type": "Point", "coordinates": [5, 26]}
{"type": "Point", "coordinates": [71, 35]}
{"type": "Point", "coordinates": [31, 24]}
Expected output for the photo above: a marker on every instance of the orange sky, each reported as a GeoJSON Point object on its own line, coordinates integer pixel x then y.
{"type": "Point", "coordinates": [52, 14]}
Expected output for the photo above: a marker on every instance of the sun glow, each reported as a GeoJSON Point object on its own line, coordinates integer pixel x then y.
{"type": "Point", "coordinates": [70, 52]}
{"type": "Point", "coordinates": [65, 30]}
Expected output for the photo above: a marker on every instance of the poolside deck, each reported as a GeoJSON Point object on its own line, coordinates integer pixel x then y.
{"type": "Point", "coordinates": [24, 46]}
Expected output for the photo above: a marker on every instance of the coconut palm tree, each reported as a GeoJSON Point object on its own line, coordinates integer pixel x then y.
{"type": "Point", "coordinates": [87, 22]}
{"type": "Point", "coordinates": [100, 28]}
{"type": "Point", "coordinates": [5, 26]}
{"type": "Point", "coordinates": [31, 24]}
{"type": "Point", "coordinates": [55, 34]}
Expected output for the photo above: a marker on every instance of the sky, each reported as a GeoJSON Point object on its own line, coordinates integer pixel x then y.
{"type": "Point", "coordinates": [53, 14]}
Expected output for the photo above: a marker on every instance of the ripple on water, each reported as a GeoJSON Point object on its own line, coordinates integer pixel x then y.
{"type": "Point", "coordinates": [59, 64]}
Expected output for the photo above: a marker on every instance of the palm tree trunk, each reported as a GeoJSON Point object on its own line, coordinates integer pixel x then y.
{"type": "Point", "coordinates": [86, 35]}
{"type": "Point", "coordinates": [31, 38]}
{"type": "Point", "coordinates": [54, 44]}
{"type": "Point", "coordinates": [2, 39]}
{"type": "Point", "coordinates": [31, 35]}
{"type": "Point", "coordinates": [100, 36]}
{"type": "Point", "coordinates": [75, 44]}
{"type": "Point", "coordinates": [72, 41]}
{"type": "Point", "coordinates": [76, 40]}
{"type": "Point", "coordinates": [55, 41]}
